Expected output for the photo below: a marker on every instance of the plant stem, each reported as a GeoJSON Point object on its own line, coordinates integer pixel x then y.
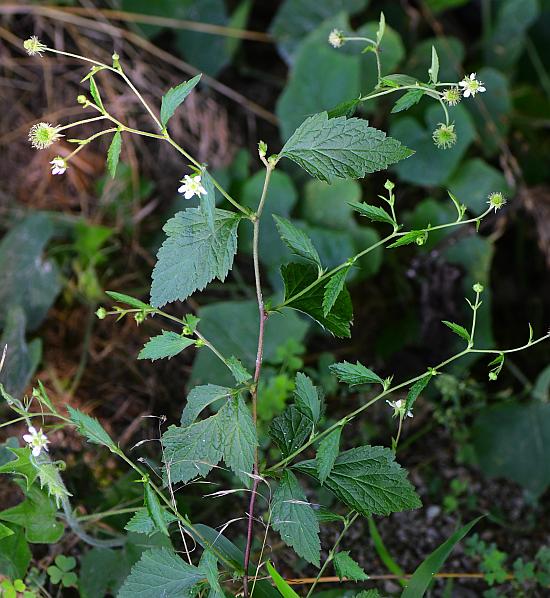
{"type": "Point", "coordinates": [347, 524]}
{"type": "Point", "coordinates": [259, 358]}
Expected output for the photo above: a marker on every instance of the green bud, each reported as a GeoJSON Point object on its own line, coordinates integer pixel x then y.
{"type": "Point", "coordinates": [262, 149]}
{"type": "Point", "coordinates": [478, 288]}
{"type": "Point", "coordinates": [81, 99]}
{"type": "Point", "coordinates": [101, 313]}
{"type": "Point", "coordinates": [139, 317]}
{"type": "Point", "coordinates": [389, 185]}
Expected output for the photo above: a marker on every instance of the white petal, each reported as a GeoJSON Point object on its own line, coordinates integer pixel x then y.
{"type": "Point", "coordinates": [197, 178]}
{"type": "Point", "coordinates": [32, 430]}
{"type": "Point", "coordinates": [467, 93]}
{"type": "Point", "coordinates": [202, 190]}
{"type": "Point", "coordinates": [36, 451]}
{"type": "Point", "coordinates": [473, 76]}
{"type": "Point", "coordinates": [27, 437]}
{"type": "Point", "coordinates": [182, 189]}
{"type": "Point", "coordinates": [189, 194]}
{"type": "Point", "coordinates": [481, 89]}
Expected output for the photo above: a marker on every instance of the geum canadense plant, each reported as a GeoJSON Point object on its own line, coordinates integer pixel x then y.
{"type": "Point", "coordinates": [200, 246]}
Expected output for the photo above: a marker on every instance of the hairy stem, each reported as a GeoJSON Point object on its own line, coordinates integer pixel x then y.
{"type": "Point", "coordinates": [259, 358]}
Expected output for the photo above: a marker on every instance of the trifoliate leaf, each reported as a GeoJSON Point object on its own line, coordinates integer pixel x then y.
{"type": "Point", "coordinates": [290, 430]}
{"type": "Point", "coordinates": [193, 254]}
{"type": "Point", "coordinates": [307, 397]}
{"type": "Point", "coordinates": [174, 97]}
{"type": "Point", "coordinates": [113, 153]}
{"type": "Point", "coordinates": [347, 568]}
{"type": "Point", "coordinates": [414, 236]}
{"type": "Point", "coordinates": [131, 301]}
{"type": "Point", "coordinates": [368, 480]}
{"type": "Point", "coordinates": [154, 510]}
{"type": "Point", "coordinates": [294, 519]}
{"type": "Point", "coordinates": [94, 92]}
{"type": "Point", "coordinates": [354, 374]}
{"type": "Point", "coordinates": [239, 438]}
{"type": "Point", "coordinates": [333, 288]}
{"type": "Point", "coordinates": [91, 428]}
{"type": "Point", "coordinates": [457, 329]}
{"type": "Point", "coordinates": [297, 277]}
{"type": "Point", "coordinates": [168, 344]}
{"type": "Point", "coordinates": [297, 241]}
{"type": "Point", "coordinates": [160, 572]}
{"type": "Point", "coordinates": [374, 213]}
{"type": "Point", "coordinates": [327, 452]}
{"type": "Point", "coordinates": [412, 97]}
{"type": "Point", "coordinates": [341, 147]}
{"type": "Point", "coordinates": [199, 398]}
{"type": "Point", "coordinates": [415, 390]}
{"type": "Point", "coordinates": [141, 522]}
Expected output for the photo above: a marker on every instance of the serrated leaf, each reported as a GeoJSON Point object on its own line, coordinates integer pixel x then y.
{"type": "Point", "coordinates": [346, 109]}
{"type": "Point", "coordinates": [368, 480]}
{"type": "Point", "coordinates": [160, 572]}
{"type": "Point", "coordinates": [327, 452]}
{"type": "Point", "coordinates": [239, 372]}
{"type": "Point", "coordinates": [341, 147]}
{"type": "Point", "coordinates": [239, 438]}
{"type": "Point", "coordinates": [208, 201]}
{"type": "Point", "coordinates": [413, 236]}
{"type": "Point", "coordinates": [91, 428]}
{"type": "Point", "coordinates": [290, 430]}
{"type": "Point", "coordinates": [424, 574]}
{"type": "Point", "coordinates": [297, 277]}
{"type": "Point", "coordinates": [354, 374]}
{"type": "Point", "coordinates": [412, 97]}
{"type": "Point", "coordinates": [325, 516]}
{"type": "Point", "coordinates": [294, 519]}
{"type": "Point", "coordinates": [457, 329]}
{"type": "Point", "coordinates": [433, 71]}
{"type": "Point", "coordinates": [209, 565]}
{"type": "Point", "coordinates": [307, 397]}
{"type": "Point", "coordinates": [142, 523]}
{"type": "Point", "coordinates": [94, 92]}
{"type": "Point", "coordinates": [113, 153]}
{"type": "Point", "coordinates": [297, 240]}
{"type": "Point", "coordinates": [165, 345]}
{"type": "Point", "coordinates": [193, 254]}
{"type": "Point", "coordinates": [280, 583]}
{"type": "Point", "coordinates": [21, 465]}
{"type": "Point", "coordinates": [174, 97]}
{"type": "Point", "coordinates": [128, 300]}
{"type": "Point", "coordinates": [347, 568]}
{"type": "Point", "coordinates": [193, 450]}
{"type": "Point", "coordinates": [199, 398]}
{"type": "Point", "coordinates": [415, 390]}
{"type": "Point", "coordinates": [154, 510]}
{"type": "Point", "coordinates": [333, 288]}
{"type": "Point", "coordinates": [373, 213]}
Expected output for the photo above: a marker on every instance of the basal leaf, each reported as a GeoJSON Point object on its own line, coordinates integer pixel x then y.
{"type": "Point", "coordinates": [91, 428]}
{"type": "Point", "coordinates": [290, 430]}
{"type": "Point", "coordinates": [333, 288]}
{"type": "Point", "coordinates": [160, 572]}
{"type": "Point", "coordinates": [199, 398]}
{"type": "Point", "coordinates": [174, 97]}
{"type": "Point", "coordinates": [368, 480]}
{"type": "Point", "coordinates": [347, 568]}
{"type": "Point", "coordinates": [457, 329]}
{"type": "Point", "coordinates": [113, 153]}
{"type": "Point", "coordinates": [142, 523]}
{"type": "Point", "coordinates": [193, 254]}
{"type": "Point", "coordinates": [374, 213]}
{"type": "Point", "coordinates": [297, 241]}
{"type": "Point", "coordinates": [424, 574]}
{"type": "Point", "coordinates": [354, 374]}
{"type": "Point", "coordinates": [294, 519]}
{"type": "Point", "coordinates": [327, 452]}
{"type": "Point", "coordinates": [407, 100]}
{"type": "Point", "coordinates": [307, 397]}
{"type": "Point", "coordinates": [341, 147]}
{"type": "Point", "coordinates": [297, 277]}
{"type": "Point", "coordinates": [167, 344]}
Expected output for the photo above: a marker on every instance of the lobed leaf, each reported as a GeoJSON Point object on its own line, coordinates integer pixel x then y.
{"type": "Point", "coordinates": [199, 398]}
{"type": "Point", "coordinates": [307, 398]}
{"type": "Point", "coordinates": [90, 427]}
{"type": "Point", "coordinates": [297, 240]}
{"type": "Point", "coordinates": [347, 568]}
{"type": "Point", "coordinates": [373, 213]}
{"type": "Point", "coordinates": [142, 523]}
{"type": "Point", "coordinates": [354, 374]}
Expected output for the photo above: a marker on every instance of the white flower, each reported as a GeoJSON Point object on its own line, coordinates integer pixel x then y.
{"type": "Point", "coordinates": [399, 408]}
{"type": "Point", "coordinates": [470, 86]}
{"type": "Point", "coordinates": [336, 38]}
{"type": "Point", "coordinates": [59, 166]}
{"type": "Point", "coordinates": [36, 440]}
{"type": "Point", "coordinates": [192, 186]}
